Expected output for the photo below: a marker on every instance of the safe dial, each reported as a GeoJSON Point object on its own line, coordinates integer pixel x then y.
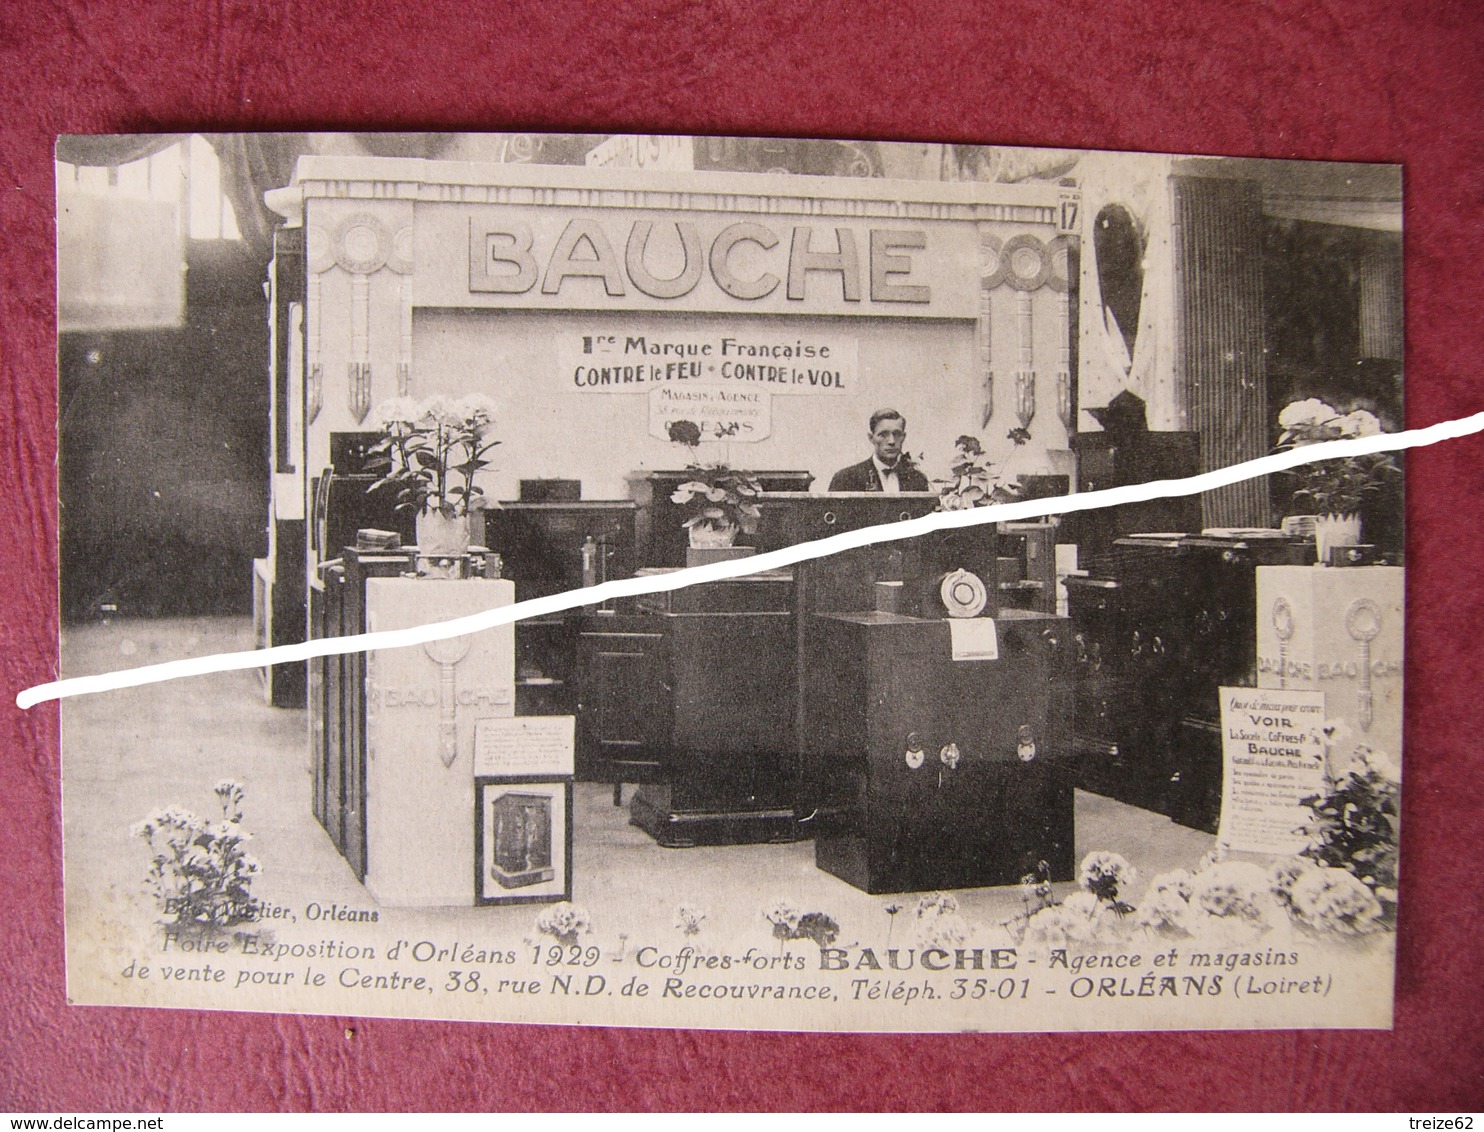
{"type": "Point", "coordinates": [915, 754]}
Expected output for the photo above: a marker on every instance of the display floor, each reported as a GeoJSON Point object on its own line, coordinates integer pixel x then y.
{"type": "Point", "coordinates": [129, 752]}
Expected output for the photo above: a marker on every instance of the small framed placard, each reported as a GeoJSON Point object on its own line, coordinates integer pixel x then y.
{"type": "Point", "coordinates": [1271, 762]}
{"type": "Point", "coordinates": [522, 839]}
{"type": "Point", "coordinates": [974, 638]}
{"type": "Point", "coordinates": [529, 744]}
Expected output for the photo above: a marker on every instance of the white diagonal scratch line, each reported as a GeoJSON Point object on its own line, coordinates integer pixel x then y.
{"type": "Point", "coordinates": [740, 567]}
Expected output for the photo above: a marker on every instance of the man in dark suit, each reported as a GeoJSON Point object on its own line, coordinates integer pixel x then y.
{"type": "Point", "coordinates": [887, 468]}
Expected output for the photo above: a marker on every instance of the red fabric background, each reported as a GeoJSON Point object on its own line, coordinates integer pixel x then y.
{"type": "Point", "coordinates": [1368, 80]}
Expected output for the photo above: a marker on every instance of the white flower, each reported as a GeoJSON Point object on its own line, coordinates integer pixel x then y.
{"type": "Point", "coordinates": [565, 921]}
{"type": "Point", "coordinates": [1379, 762]}
{"type": "Point", "coordinates": [1332, 900]}
{"type": "Point", "coordinates": [438, 411]}
{"type": "Point", "coordinates": [396, 410]}
{"type": "Point", "coordinates": [945, 930]}
{"type": "Point", "coordinates": [1312, 411]}
{"type": "Point", "coordinates": [1359, 423]}
{"type": "Point", "coordinates": [1232, 888]}
{"type": "Point", "coordinates": [1331, 733]}
{"type": "Point", "coordinates": [1106, 874]}
{"type": "Point", "coordinates": [475, 408]}
{"type": "Point", "coordinates": [1166, 906]}
{"type": "Point", "coordinates": [1284, 875]}
{"type": "Point", "coordinates": [1081, 918]}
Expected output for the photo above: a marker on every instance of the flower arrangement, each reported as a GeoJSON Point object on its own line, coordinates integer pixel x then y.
{"type": "Point", "coordinates": [971, 483]}
{"type": "Point", "coordinates": [564, 922]}
{"type": "Point", "coordinates": [1353, 823]}
{"type": "Point", "coordinates": [1334, 487]}
{"type": "Point", "coordinates": [432, 450]}
{"type": "Point", "coordinates": [1089, 915]}
{"type": "Point", "coordinates": [1328, 900]}
{"type": "Point", "coordinates": [789, 923]}
{"type": "Point", "coordinates": [937, 923]}
{"type": "Point", "coordinates": [718, 500]}
{"type": "Point", "coordinates": [1165, 909]}
{"type": "Point", "coordinates": [198, 872]}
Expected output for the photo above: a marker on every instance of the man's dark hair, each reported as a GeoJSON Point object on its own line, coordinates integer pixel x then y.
{"type": "Point", "coordinates": [886, 414]}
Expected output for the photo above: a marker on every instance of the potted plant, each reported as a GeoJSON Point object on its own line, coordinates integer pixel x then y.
{"type": "Point", "coordinates": [431, 452]}
{"type": "Point", "coordinates": [719, 501]}
{"type": "Point", "coordinates": [935, 567]}
{"type": "Point", "coordinates": [1334, 489]}
{"type": "Point", "coordinates": [971, 483]}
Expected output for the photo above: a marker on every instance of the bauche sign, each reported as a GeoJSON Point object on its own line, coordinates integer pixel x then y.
{"type": "Point", "coordinates": [630, 259]}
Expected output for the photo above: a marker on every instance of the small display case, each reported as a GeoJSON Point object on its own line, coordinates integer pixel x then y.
{"type": "Point", "coordinates": [522, 851]}
{"type": "Point", "coordinates": [522, 839]}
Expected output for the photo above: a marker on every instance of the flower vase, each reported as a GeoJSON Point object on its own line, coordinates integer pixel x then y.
{"type": "Point", "coordinates": [442, 543]}
{"type": "Point", "coordinates": [1334, 530]}
{"type": "Point", "coordinates": [710, 534]}
{"type": "Point", "coordinates": [712, 541]}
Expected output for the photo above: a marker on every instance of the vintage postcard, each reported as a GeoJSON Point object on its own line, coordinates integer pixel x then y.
{"type": "Point", "coordinates": [1127, 768]}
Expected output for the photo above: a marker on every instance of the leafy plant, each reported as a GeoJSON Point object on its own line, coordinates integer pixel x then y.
{"type": "Point", "coordinates": [432, 450]}
{"type": "Point", "coordinates": [716, 497]}
{"type": "Point", "coordinates": [199, 873]}
{"type": "Point", "coordinates": [1353, 825]}
{"type": "Point", "coordinates": [1335, 487]}
{"type": "Point", "coordinates": [971, 481]}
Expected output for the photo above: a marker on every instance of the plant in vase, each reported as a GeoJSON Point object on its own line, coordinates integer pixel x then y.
{"type": "Point", "coordinates": [1335, 489]}
{"type": "Point", "coordinates": [719, 501]}
{"type": "Point", "coordinates": [972, 482]}
{"type": "Point", "coordinates": [431, 452]}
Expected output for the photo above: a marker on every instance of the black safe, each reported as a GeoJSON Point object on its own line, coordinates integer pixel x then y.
{"type": "Point", "coordinates": [693, 697]}
{"type": "Point", "coordinates": [934, 773]}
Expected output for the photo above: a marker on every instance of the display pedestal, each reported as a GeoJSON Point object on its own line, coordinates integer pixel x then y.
{"type": "Point", "coordinates": [1338, 631]}
{"type": "Point", "coordinates": [422, 704]}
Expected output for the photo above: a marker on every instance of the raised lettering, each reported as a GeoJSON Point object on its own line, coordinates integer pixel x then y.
{"type": "Point", "coordinates": [690, 271]}
{"type": "Point", "coordinates": [802, 259]}
{"type": "Point", "coordinates": [603, 263]}
{"type": "Point", "coordinates": [491, 249]}
{"type": "Point", "coordinates": [721, 266]}
{"type": "Point", "coordinates": [885, 264]}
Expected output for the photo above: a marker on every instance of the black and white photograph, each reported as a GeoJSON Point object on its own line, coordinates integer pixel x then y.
{"type": "Point", "coordinates": [1127, 767]}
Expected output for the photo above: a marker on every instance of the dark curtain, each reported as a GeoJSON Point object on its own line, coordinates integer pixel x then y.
{"type": "Point", "coordinates": [251, 165]}
{"type": "Point", "coordinates": [112, 149]}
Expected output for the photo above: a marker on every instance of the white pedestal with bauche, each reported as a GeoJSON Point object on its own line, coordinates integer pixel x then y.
{"type": "Point", "coordinates": [1338, 631]}
{"type": "Point", "coordinates": [422, 704]}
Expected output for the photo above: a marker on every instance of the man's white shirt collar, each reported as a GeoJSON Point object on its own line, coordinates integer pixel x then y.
{"type": "Point", "coordinates": [891, 483]}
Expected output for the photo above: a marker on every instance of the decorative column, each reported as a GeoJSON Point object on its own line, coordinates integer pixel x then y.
{"type": "Point", "coordinates": [1217, 233]}
{"type": "Point", "coordinates": [1025, 375]}
{"type": "Point", "coordinates": [1381, 301]}
{"type": "Point", "coordinates": [989, 278]}
{"type": "Point", "coordinates": [401, 262]}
